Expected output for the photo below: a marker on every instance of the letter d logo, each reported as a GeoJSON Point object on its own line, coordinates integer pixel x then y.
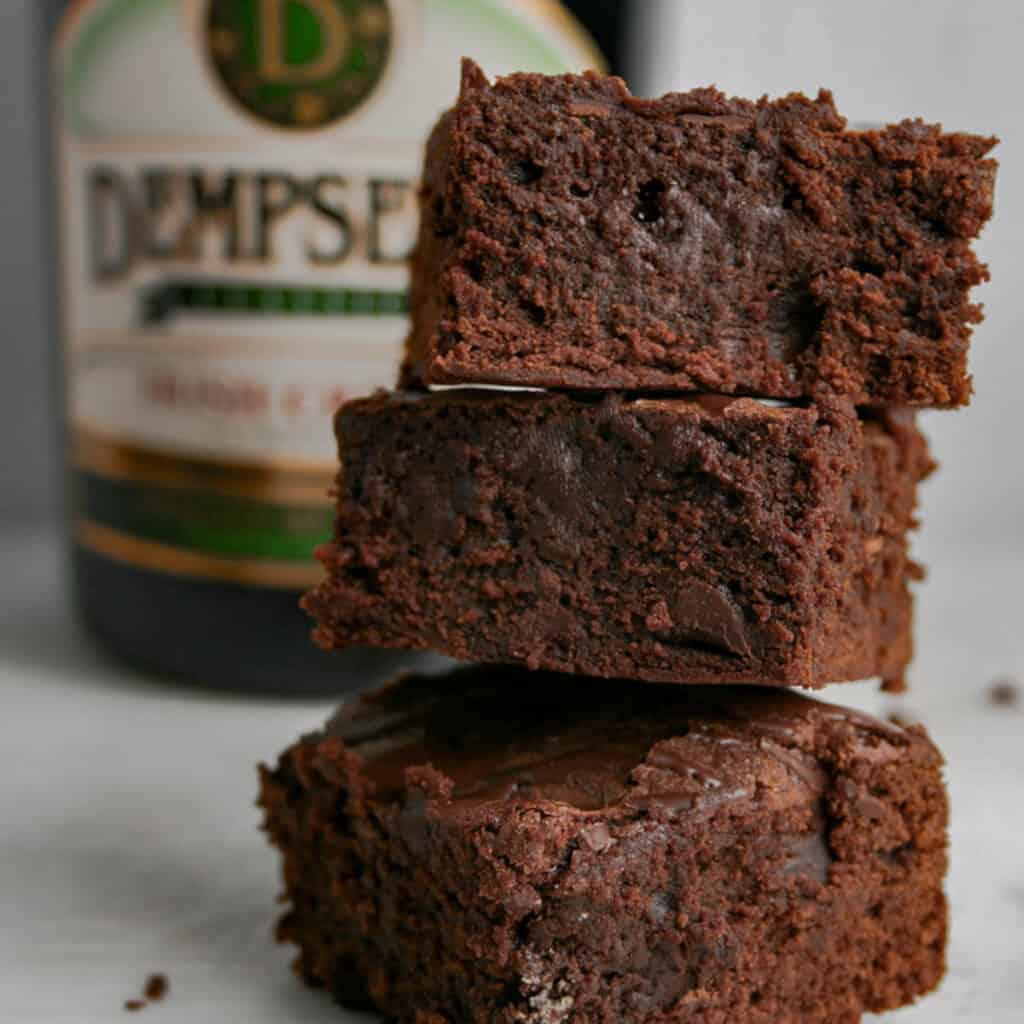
{"type": "Point", "coordinates": [299, 63]}
{"type": "Point", "coordinates": [274, 28]}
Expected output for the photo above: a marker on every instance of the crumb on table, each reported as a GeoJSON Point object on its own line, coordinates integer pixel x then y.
{"type": "Point", "coordinates": [1004, 692]}
{"type": "Point", "coordinates": [156, 987]}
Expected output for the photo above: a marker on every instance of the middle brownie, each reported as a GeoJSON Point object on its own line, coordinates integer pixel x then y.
{"type": "Point", "coordinates": [675, 540]}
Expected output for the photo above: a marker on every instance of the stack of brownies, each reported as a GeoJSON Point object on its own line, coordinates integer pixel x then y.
{"type": "Point", "coordinates": [709, 319]}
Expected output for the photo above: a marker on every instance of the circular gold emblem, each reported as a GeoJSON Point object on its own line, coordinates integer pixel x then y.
{"type": "Point", "coordinates": [299, 63]}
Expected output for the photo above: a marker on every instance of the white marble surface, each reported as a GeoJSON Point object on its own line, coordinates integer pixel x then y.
{"type": "Point", "coordinates": [129, 842]}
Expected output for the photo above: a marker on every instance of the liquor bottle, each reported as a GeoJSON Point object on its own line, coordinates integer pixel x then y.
{"type": "Point", "coordinates": [235, 204]}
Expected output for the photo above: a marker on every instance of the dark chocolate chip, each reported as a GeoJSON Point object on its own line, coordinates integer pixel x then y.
{"type": "Point", "coordinates": [697, 612]}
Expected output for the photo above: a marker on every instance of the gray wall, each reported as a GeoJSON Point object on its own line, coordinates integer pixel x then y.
{"type": "Point", "coordinates": [28, 435]}
{"type": "Point", "coordinates": [943, 60]}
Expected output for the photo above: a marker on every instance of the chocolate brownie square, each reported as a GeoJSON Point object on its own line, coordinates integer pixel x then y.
{"type": "Point", "coordinates": [710, 540]}
{"type": "Point", "coordinates": [576, 236]}
{"type": "Point", "coordinates": [499, 847]}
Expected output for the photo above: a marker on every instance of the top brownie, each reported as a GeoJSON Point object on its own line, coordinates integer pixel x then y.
{"type": "Point", "coordinates": [576, 236]}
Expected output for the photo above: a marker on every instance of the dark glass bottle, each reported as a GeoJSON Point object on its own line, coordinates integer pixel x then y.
{"type": "Point", "coordinates": [209, 246]}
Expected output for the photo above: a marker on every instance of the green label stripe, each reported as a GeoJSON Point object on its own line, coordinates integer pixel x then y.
{"type": "Point", "coordinates": [204, 522]}
{"type": "Point", "coordinates": [172, 297]}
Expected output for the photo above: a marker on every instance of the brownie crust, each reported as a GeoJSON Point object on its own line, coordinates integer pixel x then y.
{"type": "Point", "coordinates": [575, 236]}
{"type": "Point", "coordinates": [500, 847]}
{"type": "Point", "coordinates": [708, 540]}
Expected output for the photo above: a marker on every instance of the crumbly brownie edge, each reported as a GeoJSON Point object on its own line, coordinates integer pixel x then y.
{"type": "Point", "coordinates": [362, 601]}
{"type": "Point", "coordinates": [874, 326]}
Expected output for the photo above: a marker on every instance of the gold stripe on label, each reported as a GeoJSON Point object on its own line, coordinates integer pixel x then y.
{"type": "Point", "coordinates": [297, 486]}
{"type": "Point", "coordinates": [146, 554]}
{"type": "Point", "coordinates": [566, 23]}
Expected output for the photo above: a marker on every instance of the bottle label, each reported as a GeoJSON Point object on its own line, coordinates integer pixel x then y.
{"type": "Point", "coordinates": [237, 186]}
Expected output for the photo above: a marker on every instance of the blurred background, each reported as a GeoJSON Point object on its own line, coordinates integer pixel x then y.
{"type": "Point", "coordinates": [941, 60]}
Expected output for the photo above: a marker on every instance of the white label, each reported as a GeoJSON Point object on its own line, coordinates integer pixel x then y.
{"type": "Point", "coordinates": [233, 267]}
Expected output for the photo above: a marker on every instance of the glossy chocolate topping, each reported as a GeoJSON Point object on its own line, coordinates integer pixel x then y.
{"type": "Point", "coordinates": [492, 734]}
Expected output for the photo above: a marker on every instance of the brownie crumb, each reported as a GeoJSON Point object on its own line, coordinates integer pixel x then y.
{"type": "Point", "coordinates": [1004, 692]}
{"type": "Point", "coordinates": [894, 684]}
{"type": "Point", "coordinates": [903, 718]}
{"type": "Point", "coordinates": [156, 987]}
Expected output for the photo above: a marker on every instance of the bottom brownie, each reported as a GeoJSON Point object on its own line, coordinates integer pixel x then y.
{"type": "Point", "coordinates": [501, 846]}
